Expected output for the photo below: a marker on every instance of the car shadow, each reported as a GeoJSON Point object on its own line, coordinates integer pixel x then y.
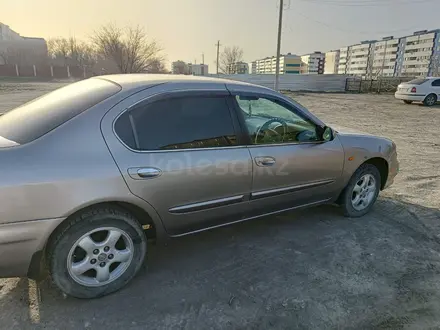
{"type": "Point", "coordinates": [312, 268]}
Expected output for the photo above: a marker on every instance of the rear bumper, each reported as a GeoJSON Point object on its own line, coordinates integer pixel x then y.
{"type": "Point", "coordinates": [19, 241]}
{"type": "Point", "coordinates": [409, 97]}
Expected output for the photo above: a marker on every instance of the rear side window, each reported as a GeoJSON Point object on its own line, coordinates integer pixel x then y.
{"type": "Point", "coordinates": [178, 123]}
{"type": "Point", "coordinates": [36, 118]}
{"type": "Point", "coordinates": [417, 81]}
{"type": "Point", "coordinates": [436, 83]}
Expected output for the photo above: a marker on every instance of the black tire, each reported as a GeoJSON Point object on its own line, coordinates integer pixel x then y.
{"type": "Point", "coordinates": [346, 197]}
{"type": "Point", "coordinates": [430, 100]}
{"type": "Point", "coordinates": [73, 229]}
{"type": "Point", "coordinates": [407, 102]}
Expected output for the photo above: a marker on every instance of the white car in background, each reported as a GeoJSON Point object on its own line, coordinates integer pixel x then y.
{"type": "Point", "coordinates": [426, 90]}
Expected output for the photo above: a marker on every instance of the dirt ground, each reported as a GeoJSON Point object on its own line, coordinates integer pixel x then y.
{"type": "Point", "coordinates": [310, 269]}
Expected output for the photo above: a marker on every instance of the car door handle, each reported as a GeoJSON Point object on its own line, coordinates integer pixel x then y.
{"type": "Point", "coordinates": [265, 161]}
{"type": "Point", "coordinates": [144, 172]}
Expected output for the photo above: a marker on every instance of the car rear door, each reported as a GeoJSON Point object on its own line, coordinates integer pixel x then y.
{"type": "Point", "coordinates": [290, 172]}
{"type": "Point", "coordinates": [180, 152]}
{"type": "Point", "coordinates": [436, 88]}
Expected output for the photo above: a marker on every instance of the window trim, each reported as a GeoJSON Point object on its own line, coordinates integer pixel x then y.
{"type": "Point", "coordinates": [270, 97]}
{"type": "Point", "coordinates": [182, 93]}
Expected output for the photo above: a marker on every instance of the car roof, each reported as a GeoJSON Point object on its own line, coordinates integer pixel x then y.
{"type": "Point", "coordinates": [136, 80]}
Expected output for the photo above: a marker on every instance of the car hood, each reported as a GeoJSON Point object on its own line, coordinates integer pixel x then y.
{"type": "Point", "coordinates": [349, 131]}
{"type": "Point", "coordinates": [371, 144]}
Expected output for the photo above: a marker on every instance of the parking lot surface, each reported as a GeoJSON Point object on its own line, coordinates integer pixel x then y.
{"type": "Point", "coordinates": [310, 269]}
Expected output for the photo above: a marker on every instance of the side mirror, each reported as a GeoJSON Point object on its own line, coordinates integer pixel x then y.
{"type": "Point", "coordinates": [327, 134]}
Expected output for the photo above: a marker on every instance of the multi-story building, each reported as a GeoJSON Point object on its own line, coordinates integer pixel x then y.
{"type": "Point", "coordinates": [253, 66]}
{"type": "Point", "coordinates": [238, 68]}
{"type": "Point", "coordinates": [331, 62]}
{"type": "Point", "coordinates": [198, 69]}
{"type": "Point", "coordinates": [289, 64]}
{"type": "Point", "coordinates": [342, 64]}
{"type": "Point", "coordinates": [15, 49]}
{"type": "Point", "coordinates": [7, 34]}
{"type": "Point", "coordinates": [180, 67]}
{"type": "Point", "coordinates": [383, 56]}
{"type": "Point", "coordinates": [312, 63]}
{"type": "Point", "coordinates": [358, 58]}
{"type": "Point", "coordinates": [419, 54]}
{"type": "Point", "coordinates": [414, 55]}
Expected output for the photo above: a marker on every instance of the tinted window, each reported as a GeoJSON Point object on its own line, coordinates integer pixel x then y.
{"type": "Point", "coordinates": [436, 83]}
{"type": "Point", "coordinates": [417, 81]}
{"type": "Point", "coordinates": [35, 118]}
{"type": "Point", "coordinates": [179, 123]}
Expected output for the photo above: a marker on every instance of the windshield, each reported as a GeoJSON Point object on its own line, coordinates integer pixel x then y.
{"type": "Point", "coordinates": [37, 117]}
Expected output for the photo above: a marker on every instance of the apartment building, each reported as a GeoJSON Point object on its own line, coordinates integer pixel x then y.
{"type": "Point", "coordinates": [419, 54]}
{"type": "Point", "coordinates": [312, 63]}
{"type": "Point", "coordinates": [358, 58]}
{"type": "Point", "coordinates": [415, 55]}
{"type": "Point", "coordinates": [7, 34]}
{"type": "Point", "coordinates": [342, 64]}
{"type": "Point", "coordinates": [180, 67]}
{"type": "Point", "coordinates": [198, 69]}
{"type": "Point", "coordinates": [383, 55]}
{"type": "Point", "coordinates": [289, 64]}
{"type": "Point", "coordinates": [331, 62]}
{"type": "Point", "coordinates": [238, 68]}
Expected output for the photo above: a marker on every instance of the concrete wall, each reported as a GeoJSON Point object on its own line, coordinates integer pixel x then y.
{"type": "Point", "coordinates": [312, 83]}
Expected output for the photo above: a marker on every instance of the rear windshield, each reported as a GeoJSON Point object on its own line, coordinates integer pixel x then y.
{"type": "Point", "coordinates": [417, 81]}
{"type": "Point", "coordinates": [38, 117]}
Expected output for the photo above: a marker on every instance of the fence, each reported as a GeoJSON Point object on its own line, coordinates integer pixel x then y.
{"type": "Point", "coordinates": [295, 82]}
{"type": "Point", "coordinates": [379, 85]}
{"type": "Point", "coordinates": [43, 71]}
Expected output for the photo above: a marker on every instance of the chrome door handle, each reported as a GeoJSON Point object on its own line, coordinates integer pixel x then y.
{"type": "Point", "coordinates": [144, 172]}
{"type": "Point", "coordinates": [148, 172]}
{"type": "Point", "coordinates": [265, 161]}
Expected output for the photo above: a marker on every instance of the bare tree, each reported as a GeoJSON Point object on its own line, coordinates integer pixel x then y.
{"type": "Point", "coordinates": [128, 48]}
{"type": "Point", "coordinates": [157, 66]}
{"type": "Point", "coordinates": [435, 65]}
{"type": "Point", "coordinates": [180, 67]}
{"type": "Point", "coordinates": [229, 56]}
{"type": "Point", "coordinates": [58, 48]}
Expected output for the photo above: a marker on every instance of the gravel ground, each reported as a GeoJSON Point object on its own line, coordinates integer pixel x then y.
{"type": "Point", "coordinates": [311, 269]}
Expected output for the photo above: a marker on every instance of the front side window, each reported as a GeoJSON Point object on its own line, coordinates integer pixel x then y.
{"type": "Point", "coordinates": [269, 121]}
{"type": "Point", "coordinates": [178, 123]}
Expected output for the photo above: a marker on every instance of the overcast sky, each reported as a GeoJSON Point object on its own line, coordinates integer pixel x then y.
{"type": "Point", "coordinates": [186, 28]}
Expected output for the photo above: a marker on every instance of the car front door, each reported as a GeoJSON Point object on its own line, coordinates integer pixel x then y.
{"type": "Point", "coordinates": [293, 165]}
{"type": "Point", "coordinates": [179, 151]}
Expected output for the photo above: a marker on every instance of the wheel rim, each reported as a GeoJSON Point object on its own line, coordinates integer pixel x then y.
{"type": "Point", "coordinates": [364, 192]}
{"type": "Point", "coordinates": [430, 100]}
{"type": "Point", "coordinates": [100, 256]}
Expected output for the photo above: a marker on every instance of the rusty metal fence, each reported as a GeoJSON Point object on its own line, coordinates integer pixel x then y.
{"type": "Point", "coordinates": [378, 85]}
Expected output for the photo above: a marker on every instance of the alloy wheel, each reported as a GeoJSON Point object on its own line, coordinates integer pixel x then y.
{"type": "Point", "coordinates": [100, 256]}
{"type": "Point", "coordinates": [364, 192]}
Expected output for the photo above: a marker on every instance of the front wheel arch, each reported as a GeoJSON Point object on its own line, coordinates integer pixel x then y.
{"type": "Point", "coordinates": [381, 164]}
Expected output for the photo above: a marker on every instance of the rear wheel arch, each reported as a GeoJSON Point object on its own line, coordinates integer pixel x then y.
{"type": "Point", "coordinates": [151, 224]}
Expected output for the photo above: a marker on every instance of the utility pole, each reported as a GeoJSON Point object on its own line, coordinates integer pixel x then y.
{"type": "Point", "coordinates": [277, 67]}
{"type": "Point", "coordinates": [218, 53]}
{"type": "Point", "coordinates": [203, 58]}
